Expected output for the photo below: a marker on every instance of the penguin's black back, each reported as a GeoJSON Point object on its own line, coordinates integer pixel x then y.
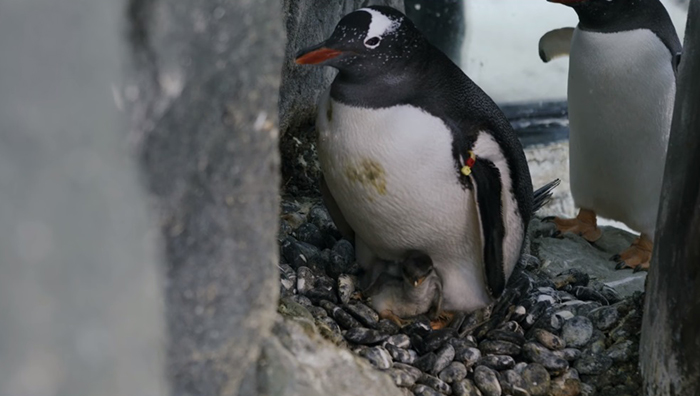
{"type": "Point", "coordinates": [436, 85]}
{"type": "Point", "coordinates": [633, 15]}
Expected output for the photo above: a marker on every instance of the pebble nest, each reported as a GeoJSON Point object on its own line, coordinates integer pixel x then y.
{"type": "Point", "coordinates": [562, 336]}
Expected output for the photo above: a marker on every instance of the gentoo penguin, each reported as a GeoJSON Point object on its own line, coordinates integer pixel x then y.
{"type": "Point", "coordinates": [622, 85]}
{"type": "Point", "coordinates": [416, 156]}
{"type": "Point", "coordinates": [417, 290]}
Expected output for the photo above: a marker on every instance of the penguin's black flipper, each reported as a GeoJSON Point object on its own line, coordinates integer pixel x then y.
{"type": "Point", "coordinates": [336, 215]}
{"type": "Point", "coordinates": [543, 195]}
{"type": "Point", "coordinates": [488, 191]}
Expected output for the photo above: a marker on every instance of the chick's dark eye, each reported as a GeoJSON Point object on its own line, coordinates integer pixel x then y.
{"type": "Point", "coordinates": [372, 42]}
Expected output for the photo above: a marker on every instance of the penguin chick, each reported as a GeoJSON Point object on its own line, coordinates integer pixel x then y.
{"type": "Point", "coordinates": [622, 83]}
{"type": "Point", "coordinates": [416, 291]}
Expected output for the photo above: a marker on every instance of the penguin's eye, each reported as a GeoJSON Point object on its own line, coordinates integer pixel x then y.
{"type": "Point", "coordinates": [372, 42]}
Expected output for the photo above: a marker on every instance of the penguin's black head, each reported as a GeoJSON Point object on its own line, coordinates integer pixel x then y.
{"type": "Point", "coordinates": [416, 267]}
{"type": "Point", "coordinates": [368, 41]}
{"type": "Point", "coordinates": [602, 13]}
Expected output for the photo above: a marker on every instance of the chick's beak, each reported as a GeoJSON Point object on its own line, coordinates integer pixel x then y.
{"type": "Point", "coordinates": [317, 54]}
{"type": "Point", "coordinates": [418, 281]}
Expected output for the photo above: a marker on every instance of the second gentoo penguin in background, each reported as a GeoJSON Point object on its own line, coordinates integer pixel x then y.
{"type": "Point", "coordinates": [622, 85]}
{"type": "Point", "coordinates": [415, 156]}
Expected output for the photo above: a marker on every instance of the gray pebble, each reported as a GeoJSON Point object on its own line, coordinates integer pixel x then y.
{"type": "Point", "coordinates": [426, 362]}
{"type": "Point", "coordinates": [435, 383]}
{"type": "Point", "coordinates": [434, 340]}
{"type": "Point", "coordinates": [497, 362]}
{"type": "Point", "coordinates": [317, 312]}
{"type": "Point", "coordinates": [362, 336]}
{"type": "Point", "coordinates": [487, 381]}
{"type": "Point", "coordinates": [301, 300]}
{"type": "Point", "coordinates": [571, 354]}
{"type": "Point", "coordinates": [499, 347]}
{"type": "Point", "coordinates": [400, 354]}
{"type": "Point", "coordinates": [587, 390]}
{"type": "Point", "coordinates": [346, 288]}
{"type": "Point", "coordinates": [622, 351]}
{"type": "Point", "coordinates": [593, 364]}
{"type": "Point", "coordinates": [419, 327]}
{"type": "Point", "coordinates": [399, 340]}
{"type": "Point", "coordinates": [344, 319]}
{"type": "Point", "coordinates": [424, 390]}
{"type": "Point", "coordinates": [288, 278]}
{"type": "Point", "coordinates": [298, 254]}
{"type": "Point", "coordinates": [536, 379]}
{"type": "Point", "coordinates": [342, 260]}
{"type": "Point", "coordinates": [596, 347]}
{"type": "Point", "coordinates": [565, 387]}
{"type": "Point", "coordinates": [519, 367]}
{"type": "Point", "coordinates": [366, 315]}
{"type": "Point", "coordinates": [513, 378]}
{"type": "Point", "coordinates": [577, 331]}
{"type": "Point", "coordinates": [549, 340]}
{"type": "Point", "coordinates": [311, 234]}
{"type": "Point", "coordinates": [506, 335]}
{"type": "Point", "coordinates": [519, 313]}
{"type": "Point", "coordinates": [329, 329]}
{"type": "Point", "coordinates": [402, 378]}
{"type": "Point", "coordinates": [378, 357]}
{"type": "Point", "coordinates": [305, 280]}
{"type": "Point", "coordinates": [414, 372]}
{"type": "Point", "coordinates": [604, 318]}
{"type": "Point", "coordinates": [454, 372]}
{"type": "Point", "coordinates": [465, 387]}
{"type": "Point", "coordinates": [461, 343]}
{"type": "Point", "coordinates": [445, 356]}
{"type": "Point", "coordinates": [388, 327]}
{"type": "Point", "coordinates": [469, 356]}
{"type": "Point", "coordinates": [536, 353]}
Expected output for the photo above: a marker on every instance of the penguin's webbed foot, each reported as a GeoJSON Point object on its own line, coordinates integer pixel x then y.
{"type": "Point", "coordinates": [388, 314]}
{"type": "Point", "coordinates": [584, 225]}
{"type": "Point", "coordinates": [637, 256]}
{"type": "Point", "coordinates": [441, 320]}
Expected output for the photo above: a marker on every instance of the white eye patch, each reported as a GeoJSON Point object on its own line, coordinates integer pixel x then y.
{"type": "Point", "coordinates": [379, 26]}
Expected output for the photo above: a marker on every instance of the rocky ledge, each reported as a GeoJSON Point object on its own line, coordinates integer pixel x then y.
{"type": "Point", "coordinates": [567, 325]}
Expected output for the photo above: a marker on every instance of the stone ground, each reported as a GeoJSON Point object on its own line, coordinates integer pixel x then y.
{"type": "Point", "coordinates": [568, 324]}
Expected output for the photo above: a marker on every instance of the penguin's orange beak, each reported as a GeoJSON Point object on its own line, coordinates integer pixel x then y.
{"type": "Point", "coordinates": [316, 54]}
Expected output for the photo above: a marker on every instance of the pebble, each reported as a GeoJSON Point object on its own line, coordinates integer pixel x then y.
{"type": "Point", "coordinates": [499, 348]}
{"type": "Point", "coordinates": [342, 260]}
{"type": "Point", "coordinates": [587, 390]}
{"type": "Point", "coordinates": [378, 357]}
{"type": "Point", "coordinates": [577, 331]}
{"type": "Point", "coordinates": [317, 312]}
{"type": "Point", "coordinates": [571, 354]}
{"type": "Point", "coordinates": [288, 278]}
{"type": "Point", "coordinates": [435, 383]}
{"type": "Point", "coordinates": [426, 362]}
{"type": "Point", "coordinates": [445, 356]}
{"type": "Point", "coordinates": [593, 364]}
{"type": "Point", "coordinates": [497, 362]}
{"type": "Point", "coordinates": [402, 378]}
{"type": "Point", "coordinates": [366, 315]}
{"type": "Point", "coordinates": [329, 329]}
{"type": "Point", "coordinates": [311, 234]}
{"type": "Point", "coordinates": [604, 318]}
{"type": "Point", "coordinates": [305, 280]}
{"type": "Point", "coordinates": [549, 340]}
{"type": "Point", "coordinates": [424, 390]}
{"type": "Point", "coordinates": [461, 343]}
{"type": "Point", "coordinates": [565, 387]}
{"type": "Point", "coordinates": [346, 288]}
{"type": "Point", "coordinates": [487, 381]}
{"type": "Point", "coordinates": [414, 372]}
{"type": "Point", "coordinates": [622, 351]}
{"type": "Point", "coordinates": [399, 341]}
{"type": "Point", "coordinates": [298, 254]}
{"type": "Point", "coordinates": [536, 379]}
{"type": "Point", "coordinates": [435, 340]}
{"type": "Point", "coordinates": [319, 216]}
{"type": "Point", "coordinates": [388, 327]}
{"type": "Point", "coordinates": [506, 335]}
{"type": "Point", "coordinates": [454, 372]}
{"type": "Point", "coordinates": [537, 353]}
{"type": "Point", "coordinates": [301, 300]}
{"type": "Point", "coordinates": [465, 387]}
{"type": "Point", "coordinates": [519, 313]}
{"type": "Point", "coordinates": [362, 336]}
{"type": "Point", "coordinates": [420, 328]}
{"type": "Point", "coordinates": [469, 356]}
{"type": "Point", "coordinates": [400, 354]}
{"type": "Point", "coordinates": [344, 319]}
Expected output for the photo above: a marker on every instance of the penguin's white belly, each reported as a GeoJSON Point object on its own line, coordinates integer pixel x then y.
{"type": "Point", "coordinates": [621, 94]}
{"type": "Point", "coordinates": [392, 174]}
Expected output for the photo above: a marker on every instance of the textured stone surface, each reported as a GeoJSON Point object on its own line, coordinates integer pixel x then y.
{"type": "Point", "coordinates": [80, 291]}
{"type": "Point", "coordinates": [203, 105]}
{"type": "Point", "coordinates": [308, 23]}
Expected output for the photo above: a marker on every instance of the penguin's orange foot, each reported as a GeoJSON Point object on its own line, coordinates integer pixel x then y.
{"type": "Point", "coordinates": [637, 256]}
{"type": "Point", "coordinates": [442, 320]}
{"type": "Point", "coordinates": [584, 225]}
{"type": "Point", "coordinates": [388, 314]}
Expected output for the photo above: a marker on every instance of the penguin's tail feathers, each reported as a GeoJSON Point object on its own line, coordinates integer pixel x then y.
{"type": "Point", "coordinates": [543, 195]}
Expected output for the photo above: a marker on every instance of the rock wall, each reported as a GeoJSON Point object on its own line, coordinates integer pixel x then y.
{"type": "Point", "coordinates": [203, 102]}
